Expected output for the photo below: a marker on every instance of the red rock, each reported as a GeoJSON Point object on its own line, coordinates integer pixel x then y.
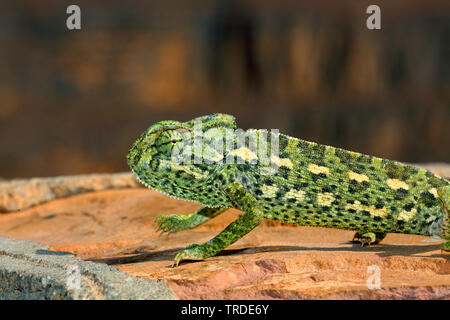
{"type": "Point", "coordinates": [274, 261]}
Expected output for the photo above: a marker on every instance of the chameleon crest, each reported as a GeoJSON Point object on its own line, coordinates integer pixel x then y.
{"type": "Point", "coordinates": [298, 182]}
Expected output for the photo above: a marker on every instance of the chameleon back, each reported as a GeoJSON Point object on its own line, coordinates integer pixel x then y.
{"type": "Point", "coordinates": [320, 185]}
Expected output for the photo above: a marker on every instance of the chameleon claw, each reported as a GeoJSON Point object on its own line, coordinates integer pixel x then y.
{"type": "Point", "coordinates": [193, 252]}
{"type": "Point", "coordinates": [177, 260]}
{"type": "Point", "coordinates": [161, 233]}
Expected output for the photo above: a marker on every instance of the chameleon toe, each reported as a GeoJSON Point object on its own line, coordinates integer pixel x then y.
{"type": "Point", "coordinates": [368, 238]}
{"type": "Point", "coordinates": [193, 252]}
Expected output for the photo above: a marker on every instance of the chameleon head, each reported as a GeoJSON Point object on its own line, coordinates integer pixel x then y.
{"type": "Point", "coordinates": [164, 156]}
{"type": "Point", "coordinates": [155, 159]}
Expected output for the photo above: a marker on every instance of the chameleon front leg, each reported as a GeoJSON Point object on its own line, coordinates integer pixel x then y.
{"type": "Point", "coordinates": [237, 229]}
{"type": "Point", "coordinates": [171, 223]}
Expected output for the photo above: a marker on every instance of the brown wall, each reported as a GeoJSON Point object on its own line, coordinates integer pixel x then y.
{"type": "Point", "coordinates": [74, 101]}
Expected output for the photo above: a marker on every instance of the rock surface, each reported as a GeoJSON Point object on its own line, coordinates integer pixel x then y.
{"type": "Point", "coordinates": [28, 270]}
{"type": "Point", "coordinates": [20, 194]}
{"type": "Point", "coordinates": [274, 261]}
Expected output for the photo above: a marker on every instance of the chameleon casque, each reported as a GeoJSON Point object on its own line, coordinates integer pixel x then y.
{"type": "Point", "coordinates": [306, 184]}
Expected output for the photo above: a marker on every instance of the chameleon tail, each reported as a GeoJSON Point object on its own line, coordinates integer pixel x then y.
{"type": "Point", "coordinates": [444, 196]}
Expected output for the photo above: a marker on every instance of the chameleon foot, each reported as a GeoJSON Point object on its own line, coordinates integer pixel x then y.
{"type": "Point", "coordinates": [171, 223]}
{"type": "Point", "coordinates": [193, 252]}
{"type": "Point", "coordinates": [368, 238]}
{"type": "Point", "coordinates": [445, 247]}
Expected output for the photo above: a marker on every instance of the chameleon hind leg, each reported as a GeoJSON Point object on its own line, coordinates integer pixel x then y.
{"type": "Point", "coordinates": [444, 196]}
{"type": "Point", "coordinates": [368, 238]}
{"type": "Point", "coordinates": [171, 223]}
{"type": "Point", "coordinates": [237, 229]}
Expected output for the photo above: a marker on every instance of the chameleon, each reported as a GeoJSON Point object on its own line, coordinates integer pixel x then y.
{"type": "Point", "coordinates": [300, 182]}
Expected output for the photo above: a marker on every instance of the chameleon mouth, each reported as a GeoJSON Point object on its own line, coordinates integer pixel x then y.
{"type": "Point", "coordinates": [167, 194]}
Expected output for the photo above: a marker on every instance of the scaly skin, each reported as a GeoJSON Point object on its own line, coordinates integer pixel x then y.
{"type": "Point", "coordinates": [369, 237]}
{"type": "Point", "coordinates": [305, 184]}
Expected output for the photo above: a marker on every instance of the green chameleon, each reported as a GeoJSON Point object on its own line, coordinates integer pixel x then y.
{"type": "Point", "coordinates": [302, 183]}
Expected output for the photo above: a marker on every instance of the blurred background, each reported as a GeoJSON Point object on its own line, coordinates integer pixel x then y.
{"type": "Point", "coordinates": [74, 101]}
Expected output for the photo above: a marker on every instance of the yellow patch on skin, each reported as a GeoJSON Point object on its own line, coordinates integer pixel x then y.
{"type": "Point", "coordinates": [355, 206]}
{"type": "Point", "coordinates": [244, 153]}
{"type": "Point", "coordinates": [353, 154]}
{"type": "Point", "coordinates": [314, 168]}
{"type": "Point", "coordinates": [375, 212]}
{"type": "Point", "coordinates": [282, 162]}
{"type": "Point", "coordinates": [357, 177]}
{"type": "Point", "coordinates": [325, 199]}
{"type": "Point", "coordinates": [296, 194]}
{"type": "Point", "coordinates": [434, 192]}
{"type": "Point", "coordinates": [397, 184]}
{"type": "Point", "coordinates": [269, 191]}
{"type": "Point", "coordinates": [407, 215]}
